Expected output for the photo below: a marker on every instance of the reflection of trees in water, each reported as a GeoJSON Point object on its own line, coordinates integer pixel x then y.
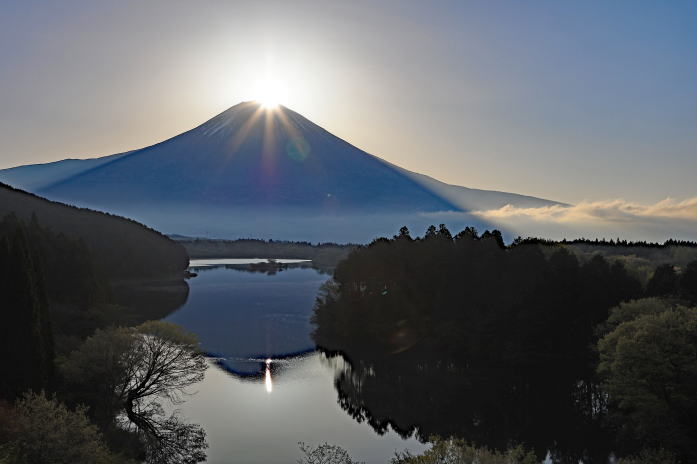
{"type": "Point", "coordinates": [270, 267]}
{"type": "Point", "coordinates": [464, 336]}
{"type": "Point", "coordinates": [546, 408]}
{"type": "Point", "coordinates": [143, 300]}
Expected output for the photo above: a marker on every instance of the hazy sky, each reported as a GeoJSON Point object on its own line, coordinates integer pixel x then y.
{"type": "Point", "coordinates": [569, 100]}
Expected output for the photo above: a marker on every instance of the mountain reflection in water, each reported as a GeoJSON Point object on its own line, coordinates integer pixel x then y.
{"type": "Point", "coordinates": [269, 388]}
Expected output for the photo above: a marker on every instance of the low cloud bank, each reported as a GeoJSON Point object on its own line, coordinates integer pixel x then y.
{"type": "Point", "coordinates": [665, 219]}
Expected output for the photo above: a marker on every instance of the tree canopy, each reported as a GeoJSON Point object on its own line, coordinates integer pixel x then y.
{"type": "Point", "coordinates": [134, 369]}
{"type": "Point", "coordinates": [648, 364]}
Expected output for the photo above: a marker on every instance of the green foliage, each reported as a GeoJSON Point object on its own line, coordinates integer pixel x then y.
{"type": "Point", "coordinates": [55, 262]}
{"type": "Point", "coordinates": [47, 432]}
{"type": "Point", "coordinates": [462, 336]}
{"type": "Point", "coordinates": [630, 310]}
{"type": "Point", "coordinates": [96, 372]}
{"type": "Point", "coordinates": [455, 451]}
{"type": "Point", "coordinates": [651, 456]}
{"type": "Point", "coordinates": [324, 454]}
{"type": "Point", "coordinates": [649, 368]}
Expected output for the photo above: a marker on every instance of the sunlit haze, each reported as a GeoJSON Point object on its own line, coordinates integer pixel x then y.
{"type": "Point", "coordinates": [565, 100]}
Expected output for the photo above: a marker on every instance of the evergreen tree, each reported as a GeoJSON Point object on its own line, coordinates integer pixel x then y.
{"type": "Point", "coordinates": [26, 344]}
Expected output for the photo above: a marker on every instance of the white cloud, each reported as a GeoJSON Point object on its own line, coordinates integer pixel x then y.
{"type": "Point", "coordinates": [608, 211]}
{"type": "Point", "coordinates": [667, 218]}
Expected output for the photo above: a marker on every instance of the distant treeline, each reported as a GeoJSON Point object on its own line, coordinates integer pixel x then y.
{"type": "Point", "coordinates": [323, 255]}
{"type": "Point", "coordinates": [122, 248]}
{"type": "Point", "coordinates": [604, 242]}
{"type": "Point", "coordinates": [464, 336]}
{"type": "Point", "coordinates": [640, 258]}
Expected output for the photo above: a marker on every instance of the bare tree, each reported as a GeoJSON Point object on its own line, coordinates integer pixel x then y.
{"type": "Point", "coordinates": [136, 369]}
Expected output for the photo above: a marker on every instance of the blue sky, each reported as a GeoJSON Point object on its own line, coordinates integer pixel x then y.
{"type": "Point", "coordinates": [573, 100]}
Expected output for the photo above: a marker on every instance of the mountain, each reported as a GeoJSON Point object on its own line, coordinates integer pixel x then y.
{"type": "Point", "coordinates": [256, 172]}
{"type": "Point", "coordinates": [121, 247]}
{"type": "Point", "coordinates": [33, 177]}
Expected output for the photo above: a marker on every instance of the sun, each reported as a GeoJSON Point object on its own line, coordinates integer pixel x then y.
{"type": "Point", "coordinates": [271, 93]}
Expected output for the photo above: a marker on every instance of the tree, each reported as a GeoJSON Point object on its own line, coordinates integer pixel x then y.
{"type": "Point", "coordinates": [664, 282]}
{"type": "Point", "coordinates": [45, 431]}
{"type": "Point", "coordinates": [129, 370]}
{"type": "Point", "coordinates": [649, 369]}
{"type": "Point", "coordinates": [324, 454]}
{"type": "Point", "coordinates": [444, 233]}
{"type": "Point", "coordinates": [455, 451]}
{"type": "Point", "coordinates": [26, 343]}
{"type": "Point", "coordinates": [490, 322]}
{"type": "Point", "coordinates": [403, 234]}
{"type": "Point", "coordinates": [630, 310]}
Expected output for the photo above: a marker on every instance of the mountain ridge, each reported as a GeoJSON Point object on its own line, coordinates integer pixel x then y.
{"type": "Point", "coordinates": [248, 162]}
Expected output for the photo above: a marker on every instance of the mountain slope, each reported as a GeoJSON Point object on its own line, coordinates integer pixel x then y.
{"type": "Point", "coordinates": [32, 177]}
{"type": "Point", "coordinates": [250, 157]}
{"type": "Point", "coordinates": [469, 199]}
{"type": "Point", "coordinates": [255, 172]}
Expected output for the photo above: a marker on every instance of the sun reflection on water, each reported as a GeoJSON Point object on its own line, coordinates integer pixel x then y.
{"type": "Point", "coordinates": [267, 378]}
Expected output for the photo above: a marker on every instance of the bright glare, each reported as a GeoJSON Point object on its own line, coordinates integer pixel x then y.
{"type": "Point", "coordinates": [271, 93]}
{"type": "Point", "coordinates": [267, 377]}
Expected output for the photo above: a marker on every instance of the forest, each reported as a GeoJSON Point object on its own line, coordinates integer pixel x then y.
{"type": "Point", "coordinates": [576, 349]}
{"type": "Point", "coordinates": [122, 248]}
{"type": "Point", "coordinates": [82, 373]}
{"type": "Point", "coordinates": [531, 343]}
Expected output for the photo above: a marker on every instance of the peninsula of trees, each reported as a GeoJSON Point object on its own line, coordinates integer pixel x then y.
{"type": "Point", "coordinates": [571, 348]}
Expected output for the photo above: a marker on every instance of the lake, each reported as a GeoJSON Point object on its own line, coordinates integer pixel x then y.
{"type": "Point", "coordinates": [267, 388]}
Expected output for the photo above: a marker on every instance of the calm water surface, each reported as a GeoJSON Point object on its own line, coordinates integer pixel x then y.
{"type": "Point", "coordinates": [267, 389]}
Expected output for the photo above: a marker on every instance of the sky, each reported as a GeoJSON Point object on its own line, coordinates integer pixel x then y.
{"type": "Point", "coordinates": [576, 101]}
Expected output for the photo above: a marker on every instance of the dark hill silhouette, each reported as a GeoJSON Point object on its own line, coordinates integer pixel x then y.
{"type": "Point", "coordinates": [122, 248]}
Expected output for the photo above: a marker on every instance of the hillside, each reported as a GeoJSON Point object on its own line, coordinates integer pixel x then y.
{"type": "Point", "coordinates": [121, 247]}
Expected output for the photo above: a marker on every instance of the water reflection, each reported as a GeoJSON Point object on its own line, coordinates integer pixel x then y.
{"type": "Point", "coordinates": [241, 316]}
{"type": "Point", "coordinates": [545, 408]}
{"type": "Point", "coordinates": [244, 422]}
{"type": "Point", "coordinates": [267, 388]}
{"type": "Point", "coordinates": [267, 378]}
